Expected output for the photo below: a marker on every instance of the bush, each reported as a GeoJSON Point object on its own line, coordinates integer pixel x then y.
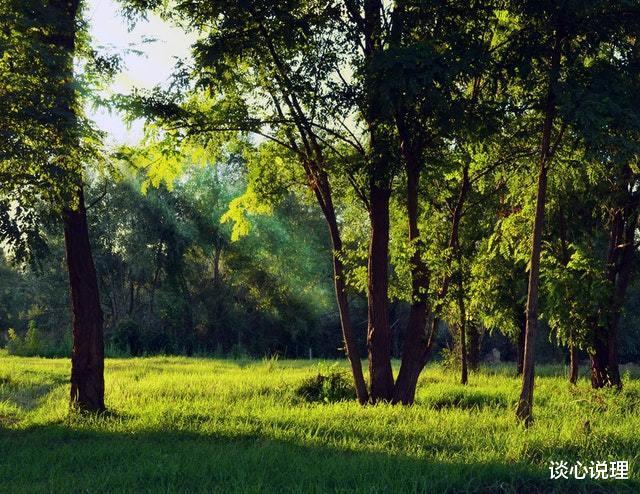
{"type": "Point", "coordinates": [335, 385]}
{"type": "Point", "coordinates": [14, 343]}
{"type": "Point", "coordinates": [127, 337]}
{"type": "Point", "coordinates": [27, 347]}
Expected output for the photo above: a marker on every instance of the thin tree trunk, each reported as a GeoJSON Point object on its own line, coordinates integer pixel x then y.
{"type": "Point", "coordinates": [87, 358]}
{"type": "Point", "coordinates": [464, 377]}
{"type": "Point", "coordinates": [473, 357]}
{"type": "Point", "coordinates": [565, 258]}
{"type": "Point", "coordinates": [525, 403]}
{"type": "Point", "coordinates": [132, 293]}
{"type": "Point", "coordinates": [574, 368]}
{"type": "Point", "coordinates": [312, 158]}
{"type": "Point", "coordinates": [348, 335]}
{"type": "Point", "coordinates": [598, 360]}
{"type": "Point", "coordinates": [522, 326]}
{"type": "Point", "coordinates": [416, 341]}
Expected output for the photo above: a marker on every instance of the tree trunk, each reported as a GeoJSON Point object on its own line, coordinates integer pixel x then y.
{"type": "Point", "coordinates": [574, 368]}
{"type": "Point", "coordinates": [605, 369]}
{"type": "Point", "coordinates": [522, 321]}
{"type": "Point", "coordinates": [350, 343]}
{"type": "Point", "coordinates": [379, 331]}
{"type": "Point", "coordinates": [525, 403]}
{"type": "Point", "coordinates": [565, 257]}
{"type": "Point", "coordinates": [463, 317]}
{"type": "Point", "coordinates": [473, 357]}
{"type": "Point", "coordinates": [87, 358]}
{"type": "Point", "coordinates": [598, 360]}
{"type": "Point", "coordinates": [414, 354]}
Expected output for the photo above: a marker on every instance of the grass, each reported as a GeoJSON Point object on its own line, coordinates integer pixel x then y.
{"type": "Point", "coordinates": [201, 425]}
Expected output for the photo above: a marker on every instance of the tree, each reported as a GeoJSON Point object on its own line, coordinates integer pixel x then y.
{"type": "Point", "coordinates": [569, 35]}
{"type": "Point", "coordinates": [48, 165]}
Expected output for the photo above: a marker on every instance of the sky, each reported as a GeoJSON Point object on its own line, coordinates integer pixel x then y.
{"type": "Point", "coordinates": [110, 32]}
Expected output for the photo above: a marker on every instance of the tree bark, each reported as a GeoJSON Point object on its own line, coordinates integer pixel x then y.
{"type": "Point", "coordinates": [87, 358]}
{"type": "Point", "coordinates": [565, 257]}
{"type": "Point", "coordinates": [525, 403]}
{"type": "Point", "coordinates": [350, 343]}
{"type": "Point", "coordinates": [379, 331]}
{"type": "Point", "coordinates": [520, 346]}
{"type": "Point", "coordinates": [605, 369]}
{"type": "Point", "coordinates": [414, 354]}
{"type": "Point", "coordinates": [473, 356]}
{"type": "Point", "coordinates": [598, 360]}
{"type": "Point", "coordinates": [464, 377]}
{"type": "Point", "coordinates": [574, 365]}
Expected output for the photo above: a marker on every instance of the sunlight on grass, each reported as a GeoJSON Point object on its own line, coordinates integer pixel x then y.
{"type": "Point", "coordinates": [179, 424]}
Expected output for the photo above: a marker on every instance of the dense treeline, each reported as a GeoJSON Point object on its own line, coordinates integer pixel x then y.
{"type": "Point", "coordinates": [172, 281]}
{"type": "Point", "coordinates": [473, 162]}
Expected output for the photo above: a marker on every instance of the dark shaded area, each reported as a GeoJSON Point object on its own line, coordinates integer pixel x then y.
{"type": "Point", "coordinates": [45, 459]}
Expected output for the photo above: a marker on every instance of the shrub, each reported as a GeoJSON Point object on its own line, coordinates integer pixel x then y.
{"type": "Point", "coordinates": [127, 337]}
{"type": "Point", "coordinates": [331, 387]}
{"type": "Point", "coordinates": [27, 347]}
{"type": "Point", "coordinates": [32, 340]}
{"type": "Point", "coordinates": [14, 343]}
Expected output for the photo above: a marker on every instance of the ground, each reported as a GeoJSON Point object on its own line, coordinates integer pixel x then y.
{"type": "Point", "coordinates": [204, 425]}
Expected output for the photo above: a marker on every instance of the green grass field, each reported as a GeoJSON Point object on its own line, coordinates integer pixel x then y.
{"type": "Point", "coordinates": [201, 425]}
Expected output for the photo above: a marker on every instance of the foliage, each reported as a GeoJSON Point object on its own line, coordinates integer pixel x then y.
{"type": "Point", "coordinates": [28, 346]}
{"type": "Point", "coordinates": [329, 387]}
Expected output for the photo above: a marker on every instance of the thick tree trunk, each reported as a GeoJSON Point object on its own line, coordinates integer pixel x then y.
{"type": "Point", "coordinates": [525, 403]}
{"type": "Point", "coordinates": [605, 369]}
{"type": "Point", "coordinates": [87, 358]}
{"type": "Point", "coordinates": [379, 330]}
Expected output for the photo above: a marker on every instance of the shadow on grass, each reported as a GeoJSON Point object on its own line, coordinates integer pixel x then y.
{"type": "Point", "coordinates": [27, 395]}
{"type": "Point", "coordinates": [57, 458]}
{"type": "Point", "coordinates": [466, 400]}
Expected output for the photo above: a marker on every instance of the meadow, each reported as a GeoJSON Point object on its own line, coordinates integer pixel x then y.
{"type": "Point", "coordinates": [207, 425]}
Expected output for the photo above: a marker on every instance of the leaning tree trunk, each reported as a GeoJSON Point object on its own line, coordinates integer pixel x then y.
{"type": "Point", "coordinates": [323, 194]}
{"type": "Point", "coordinates": [87, 358]}
{"type": "Point", "coordinates": [525, 403]}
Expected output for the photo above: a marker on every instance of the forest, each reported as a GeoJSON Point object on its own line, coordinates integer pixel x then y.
{"type": "Point", "coordinates": [411, 212]}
